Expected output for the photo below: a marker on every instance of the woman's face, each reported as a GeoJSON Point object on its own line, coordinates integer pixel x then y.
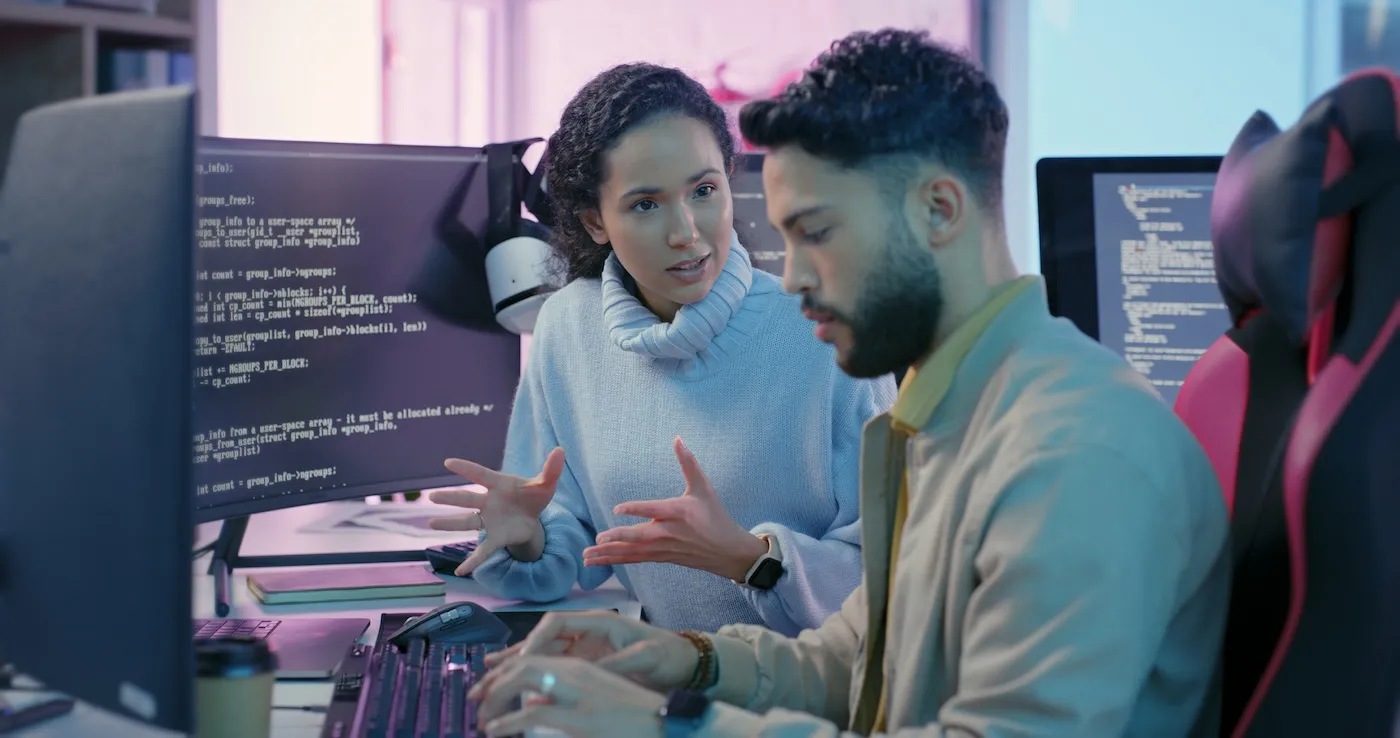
{"type": "Point", "coordinates": [665, 206]}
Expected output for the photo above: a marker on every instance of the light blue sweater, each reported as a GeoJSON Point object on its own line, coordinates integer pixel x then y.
{"type": "Point", "coordinates": [740, 377]}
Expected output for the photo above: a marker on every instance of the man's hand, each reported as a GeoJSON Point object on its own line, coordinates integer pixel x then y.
{"type": "Point", "coordinates": [692, 530]}
{"type": "Point", "coordinates": [575, 697]}
{"type": "Point", "coordinates": [509, 510]}
{"type": "Point", "coordinates": [650, 656]}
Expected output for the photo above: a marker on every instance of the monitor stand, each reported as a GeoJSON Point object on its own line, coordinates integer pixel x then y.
{"type": "Point", "coordinates": [226, 558]}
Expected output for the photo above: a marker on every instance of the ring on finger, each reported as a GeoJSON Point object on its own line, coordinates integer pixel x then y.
{"type": "Point", "coordinates": [547, 683]}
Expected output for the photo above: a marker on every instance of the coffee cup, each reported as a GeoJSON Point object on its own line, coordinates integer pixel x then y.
{"type": "Point", "coordinates": [234, 677]}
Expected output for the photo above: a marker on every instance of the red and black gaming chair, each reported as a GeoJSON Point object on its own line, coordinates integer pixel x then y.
{"type": "Point", "coordinates": [1299, 408]}
{"type": "Point", "coordinates": [1239, 399]}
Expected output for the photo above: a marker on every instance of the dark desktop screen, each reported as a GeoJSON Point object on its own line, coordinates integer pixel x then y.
{"type": "Point", "coordinates": [1158, 301]}
{"type": "Point", "coordinates": [319, 374]}
{"type": "Point", "coordinates": [763, 242]}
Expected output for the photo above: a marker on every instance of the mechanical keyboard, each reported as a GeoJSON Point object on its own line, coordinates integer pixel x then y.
{"type": "Point", "coordinates": [256, 628]}
{"type": "Point", "coordinates": [446, 558]}
{"type": "Point", "coordinates": [418, 692]}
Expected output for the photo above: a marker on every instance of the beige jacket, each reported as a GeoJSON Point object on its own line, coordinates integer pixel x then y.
{"type": "Point", "coordinates": [1063, 570]}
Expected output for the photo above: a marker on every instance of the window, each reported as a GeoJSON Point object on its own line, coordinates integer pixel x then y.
{"type": "Point", "coordinates": [1370, 34]}
{"type": "Point", "coordinates": [439, 57]}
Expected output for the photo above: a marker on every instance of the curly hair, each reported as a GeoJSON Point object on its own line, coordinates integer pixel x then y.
{"type": "Point", "coordinates": [610, 105]}
{"type": "Point", "coordinates": [875, 97]}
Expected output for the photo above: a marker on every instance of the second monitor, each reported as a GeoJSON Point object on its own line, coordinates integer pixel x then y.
{"type": "Point", "coordinates": [763, 241]}
{"type": "Point", "coordinates": [1125, 249]}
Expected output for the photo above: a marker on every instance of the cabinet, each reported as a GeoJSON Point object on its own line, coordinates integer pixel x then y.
{"type": "Point", "coordinates": [51, 52]}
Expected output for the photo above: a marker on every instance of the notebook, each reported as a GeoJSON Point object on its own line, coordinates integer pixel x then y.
{"type": "Point", "coordinates": [336, 585]}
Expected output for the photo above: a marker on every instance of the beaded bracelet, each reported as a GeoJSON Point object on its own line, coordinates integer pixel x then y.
{"type": "Point", "coordinates": [706, 666]}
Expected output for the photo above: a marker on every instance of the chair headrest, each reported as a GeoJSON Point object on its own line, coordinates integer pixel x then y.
{"type": "Point", "coordinates": [1281, 213]}
{"type": "Point", "coordinates": [1232, 218]}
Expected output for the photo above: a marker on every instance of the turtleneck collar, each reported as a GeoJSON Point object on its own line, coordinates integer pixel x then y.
{"type": "Point", "coordinates": [693, 333]}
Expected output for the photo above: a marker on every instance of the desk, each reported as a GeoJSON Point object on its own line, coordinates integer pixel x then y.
{"type": "Point", "coordinates": [280, 533]}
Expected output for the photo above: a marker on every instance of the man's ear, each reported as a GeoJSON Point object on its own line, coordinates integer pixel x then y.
{"type": "Point", "coordinates": [942, 200]}
{"type": "Point", "coordinates": [593, 223]}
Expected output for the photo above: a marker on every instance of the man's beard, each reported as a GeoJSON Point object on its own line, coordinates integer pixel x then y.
{"type": "Point", "coordinates": [897, 312]}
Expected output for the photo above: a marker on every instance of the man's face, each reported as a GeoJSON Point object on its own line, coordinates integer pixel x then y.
{"type": "Point", "coordinates": [867, 280]}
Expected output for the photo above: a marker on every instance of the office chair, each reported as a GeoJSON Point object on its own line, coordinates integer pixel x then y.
{"type": "Point", "coordinates": [1297, 406]}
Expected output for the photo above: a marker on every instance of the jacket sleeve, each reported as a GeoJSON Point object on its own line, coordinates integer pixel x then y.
{"type": "Point", "coordinates": [819, 573]}
{"type": "Point", "coordinates": [568, 525]}
{"type": "Point", "coordinates": [761, 670]}
{"type": "Point", "coordinates": [1081, 568]}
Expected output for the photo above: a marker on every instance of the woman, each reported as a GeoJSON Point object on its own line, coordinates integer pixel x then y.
{"type": "Point", "coordinates": [665, 329]}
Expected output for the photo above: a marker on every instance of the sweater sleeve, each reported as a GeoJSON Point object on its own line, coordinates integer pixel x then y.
{"type": "Point", "coordinates": [819, 573]}
{"type": "Point", "coordinates": [568, 525]}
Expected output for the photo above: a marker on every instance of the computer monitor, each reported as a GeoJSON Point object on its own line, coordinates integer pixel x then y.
{"type": "Point", "coordinates": [96, 284]}
{"type": "Point", "coordinates": [1125, 250]}
{"type": "Point", "coordinates": [763, 241]}
{"type": "Point", "coordinates": [320, 375]}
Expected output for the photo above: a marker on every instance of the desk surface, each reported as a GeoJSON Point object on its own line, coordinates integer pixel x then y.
{"type": "Point", "coordinates": [282, 532]}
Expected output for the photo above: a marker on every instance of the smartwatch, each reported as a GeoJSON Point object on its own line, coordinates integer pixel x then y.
{"type": "Point", "coordinates": [683, 713]}
{"type": "Point", "coordinates": [766, 571]}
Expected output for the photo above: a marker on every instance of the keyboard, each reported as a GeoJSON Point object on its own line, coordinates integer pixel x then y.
{"type": "Point", "coordinates": [420, 691]}
{"type": "Point", "coordinates": [446, 558]}
{"type": "Point", "coordinates": [209, 629]}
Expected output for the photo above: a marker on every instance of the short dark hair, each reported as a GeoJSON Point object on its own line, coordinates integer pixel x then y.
{"type": "Point", "coordinates": [611, 104]}
{"type": "Point", "coordinates": [875, 97]}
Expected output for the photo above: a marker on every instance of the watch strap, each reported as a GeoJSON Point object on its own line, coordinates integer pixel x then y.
{"type": "Point", "coordinates": [772, 554]}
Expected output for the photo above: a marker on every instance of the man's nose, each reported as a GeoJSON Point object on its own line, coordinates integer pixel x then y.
{"type": "Point", "coordinates": [798, 275]}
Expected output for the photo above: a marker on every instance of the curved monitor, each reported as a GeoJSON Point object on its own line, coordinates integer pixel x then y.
{"type": "Point", "coordinates": [318, 374]}
{"type": "Point", "coordinates": [1125, 250]}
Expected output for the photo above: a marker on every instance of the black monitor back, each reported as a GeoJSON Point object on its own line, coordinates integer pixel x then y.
{"type": "Point", "coordinates": [96, 303]}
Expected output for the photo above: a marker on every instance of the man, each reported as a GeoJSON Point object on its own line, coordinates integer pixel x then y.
{"type": "Point", "coordinates": [1044, 543]}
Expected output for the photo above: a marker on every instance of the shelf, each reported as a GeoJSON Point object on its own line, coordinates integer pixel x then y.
{"type": "Point", "coordinates": [17, 12]}
{"type": "Point", "coordinates": [50, 53]}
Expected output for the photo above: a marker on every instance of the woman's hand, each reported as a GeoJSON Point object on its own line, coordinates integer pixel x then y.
{"type": "Point", "coordinates": [575, 697]}
{"type": "Point", "coordinates": [692, 530]}
{"type": "Point", "coordinates": [653, 657]}
{"type": "Point", "coordinates": [508, 510]}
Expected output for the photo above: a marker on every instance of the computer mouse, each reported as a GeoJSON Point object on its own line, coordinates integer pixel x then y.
{"type": "Point", "coordinates": [454, 622]}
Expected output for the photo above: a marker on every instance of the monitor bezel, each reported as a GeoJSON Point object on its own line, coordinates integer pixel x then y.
{"type": "Point", "coordinates": [1071, 178]}
{"type": "Point", "coordinates": [340, 148]}
{"type": "Point", "coordinates": [243, 508]}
